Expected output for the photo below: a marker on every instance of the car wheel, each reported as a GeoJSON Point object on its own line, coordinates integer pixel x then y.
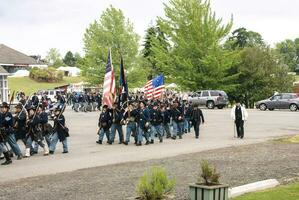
{"type": "Point", "coordinates": [220, 107]}
{"type": "Point", "coordinates": [263, 107]}
{"type": "Point", "coordinates": [210, 105]}
{"type": "Point", "coordinates": [271, 109]}
{"type": "Point", "coordinates": [293, 107]}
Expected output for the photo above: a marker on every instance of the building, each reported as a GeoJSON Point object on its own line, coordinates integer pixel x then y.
{"type": "Point", "coordinates": [12, 60]}
{"type": "Point", "coordinates": [3, 85]}
{"type": "Point", "coordinates": [70, 71]}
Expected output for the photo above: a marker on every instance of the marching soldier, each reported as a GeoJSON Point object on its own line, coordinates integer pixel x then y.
{"type": "Point", "coordinates": [130, 121]}
{"type": "Point", "coordinates": [143, 119]}
{"type": "Point", "coordinates": [6, 124]}
{"type": "Point", "coordinates": [34, 133]}
{"type": "Point", "coordinates": [4, 150]}
{"type": "Point", "coordinates": [117, 116]}
{"type": "Point", "coordinates": [166, 115]}
{"type": "Point", "coordinates": [178, 120]}
{"type": "Point", "coordinates": [60, 132]}
{"type": "Point", "coordinates": [20, 118]}
{"type": "Point", "coordinates": [104, 124]}
{"type": "Point", "coordinates": [156, 120]}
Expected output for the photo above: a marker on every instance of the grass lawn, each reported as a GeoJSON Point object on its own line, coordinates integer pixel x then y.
{"type": "Point", "coordinates": [30, 86]}
{"type": "Point", "coordinates": [293, 139]}
{"type": "Point", "coordinates": [289, 192]}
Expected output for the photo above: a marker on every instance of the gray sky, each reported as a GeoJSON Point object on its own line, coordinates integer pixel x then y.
{"type": "Point", "coordinates": [35, 26]}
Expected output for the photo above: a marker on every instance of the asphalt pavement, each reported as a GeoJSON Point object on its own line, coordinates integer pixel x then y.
{"type": "Point", "coordinates": [217, 132]}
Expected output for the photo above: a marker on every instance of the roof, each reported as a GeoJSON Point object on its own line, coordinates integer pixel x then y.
{"type": "Point", "coordinates": [11, 56]}
{"type": "Point", "coordinates": [3, 71]}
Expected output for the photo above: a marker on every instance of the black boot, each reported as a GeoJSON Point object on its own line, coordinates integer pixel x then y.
{"type": "Point", "coordinates": [99, 141]}
{"type": "Point", "coordinates": [152, 141]}
{"type": "Point", "coordinates": [147, 142]}
{"type": "Point", "coordinates": [7, 159]}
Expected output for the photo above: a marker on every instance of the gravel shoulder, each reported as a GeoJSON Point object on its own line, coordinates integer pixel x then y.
{"type": "Point", "coordinates": [238, 165]}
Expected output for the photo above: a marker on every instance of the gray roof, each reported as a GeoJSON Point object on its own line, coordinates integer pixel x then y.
{"type": "Point", "coordinates": [3, 71]}
{"type": "Point", "coordinates": [11, 56]}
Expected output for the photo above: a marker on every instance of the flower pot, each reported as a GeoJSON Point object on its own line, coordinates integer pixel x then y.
{"type": "Point", "coordinates": [204, 192]}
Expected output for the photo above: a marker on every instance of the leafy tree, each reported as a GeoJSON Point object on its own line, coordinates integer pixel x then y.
{"type": "Point", "coordinates": [69, 59]}
{"type": "Point", "coordinates": [242, 38]}
{"type": "Point", "coordinates": [195, 59]}
{"type": "Point", "coordinates": [289, 51]}
{"type": "Point", "coordinates": [261, 73]}
{"type": "Point", "coordinates": [113, 31]}
{"type": "Point", "coordinates": [53, 58]}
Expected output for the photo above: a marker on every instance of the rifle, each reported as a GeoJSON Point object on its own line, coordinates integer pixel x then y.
{"type": "Point", "coordinates": [30, 129]}
{"type": "Point", "coordinates": [23, 106]}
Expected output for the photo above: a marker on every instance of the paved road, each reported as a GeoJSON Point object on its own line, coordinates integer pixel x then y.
{"type": "Point", "coordinates": [85, 153]}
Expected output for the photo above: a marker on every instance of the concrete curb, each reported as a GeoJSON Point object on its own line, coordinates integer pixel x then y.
{"type": "Point", "coordinates": [252, 187]}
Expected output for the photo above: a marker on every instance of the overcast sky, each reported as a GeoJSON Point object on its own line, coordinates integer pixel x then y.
{"type": "Point", "coordinates": [35, 26]}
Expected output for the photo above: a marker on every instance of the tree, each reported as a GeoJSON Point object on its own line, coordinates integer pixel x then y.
{"type": "Point", "coordinates": [154, 36]}
{"type": "Point", "coordinates": [289, 52]}
{"type": "Point", "coordinates": [195, 59]}
{"type": "Point", "coordinates": [69, 59]}
{"type": "Point", "coordinates": [113, 31]}
{"type": "Point", "coordinates": [53, 58]}
{"type": "Point", "coordinates": [242, 38]}
{"type": "Point", "coordinates": [261, 73]}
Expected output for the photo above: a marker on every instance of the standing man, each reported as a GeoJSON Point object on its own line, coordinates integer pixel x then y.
{"type": "Point", "coordinates": [197, 118]}
{"type": "Point", "coordinates": [239, 115]}
{"type": "Point", "coordinates": [166, 115]}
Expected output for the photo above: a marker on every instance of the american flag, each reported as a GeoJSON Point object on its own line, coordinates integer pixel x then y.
{"type": "Point", "coordinates": [109, 89]}
{"type": "Point", "coordinates": [154, 88]}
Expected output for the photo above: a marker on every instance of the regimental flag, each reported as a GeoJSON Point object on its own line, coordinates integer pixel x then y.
{"type": "Point", "coordinates": [109, 89]}
{"type": "Point", "coordinates": [154, 88]}
{"type": "Point", "coordinates": [123, 86]}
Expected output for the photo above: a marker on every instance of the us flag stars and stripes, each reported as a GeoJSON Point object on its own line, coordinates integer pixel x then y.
{"type": "Point", "coordinates": [154, 88]}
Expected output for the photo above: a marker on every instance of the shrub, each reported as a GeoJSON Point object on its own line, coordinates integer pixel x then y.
{"type": "Point", "coordinates": [154, 184]}
{"type": "Point", "coordinates": [46, 75]}
{"type": "Point", "coordinates": [208, 174]}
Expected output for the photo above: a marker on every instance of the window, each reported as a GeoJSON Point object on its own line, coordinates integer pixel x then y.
{"type": "Point", "coordinates": [276, 97]}
{"type": "Point", "coordinates": [205, 94]}
{"type": "Point", "coordinates": [215, 93]}
{"type": "Point", "coordinates": [287, 96]}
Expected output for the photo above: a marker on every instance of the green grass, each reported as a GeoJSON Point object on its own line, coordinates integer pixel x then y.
{"type": "Point", "coordinates": [289, 192]}
{"type": "Point", "coordinates": [297, 77]}
{"type": "Point", "coordinates": [30, 86]}
{"type": "Point", "coordinates": [293, 139]}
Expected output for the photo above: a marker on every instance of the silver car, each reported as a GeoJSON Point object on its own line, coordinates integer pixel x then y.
{"type": "Point", "coordinates": [280, 101]}
{"type": "Point", "coordinates": [209, 98]}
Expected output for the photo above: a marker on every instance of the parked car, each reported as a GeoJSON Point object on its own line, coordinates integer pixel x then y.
{"type": "Point", "coordinates": [280, 101]}
{"type": "Point", "coordinates": [51, 94]}
{"type": "Point", "coordinates": [209, 98]}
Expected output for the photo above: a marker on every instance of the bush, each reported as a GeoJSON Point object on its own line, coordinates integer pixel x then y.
{"type": "Point", "coordinates": [154, 184]}
{"type": "Point", "coordinates": [208, 174]}
{"type": "Point", "coordinates": [49, 75]}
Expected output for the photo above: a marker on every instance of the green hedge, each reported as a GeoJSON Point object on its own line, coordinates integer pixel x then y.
{"type": "Point", "coordinates": [49, 75]}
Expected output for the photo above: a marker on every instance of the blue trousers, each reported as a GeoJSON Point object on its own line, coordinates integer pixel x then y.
{"type": "Point", "coordinates": [102, 133]}
{"type": "Point", "coordinates": [11, 140]}
{"type": "Point", "coordinates": [54, 140]}
{"type": "Point", "coordinates": [131, 129]}
{"type": "Point", "coordinates": [177, 128]}
{"type": "Point", "coordinates": [118, 128]}
{"type": "Point", "coordinates": [142, 133]}
{"type": "Point", "coordinates": [157, 129]}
